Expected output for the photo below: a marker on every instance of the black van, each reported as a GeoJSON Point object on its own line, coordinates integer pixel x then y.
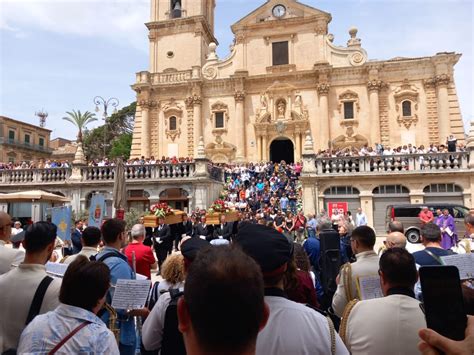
{"type": "Point", "coordinates": [408, 215]}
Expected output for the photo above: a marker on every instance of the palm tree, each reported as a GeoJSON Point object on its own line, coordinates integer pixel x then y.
{"type": "Point", "coordinates": [80, 120]}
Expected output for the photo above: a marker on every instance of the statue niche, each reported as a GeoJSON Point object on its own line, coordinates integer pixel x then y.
{"type": "Point", "coordinates": [281, 109]}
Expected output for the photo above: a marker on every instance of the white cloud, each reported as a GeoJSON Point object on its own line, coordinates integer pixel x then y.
{"type": "Point", "coordinates": [115, 20]}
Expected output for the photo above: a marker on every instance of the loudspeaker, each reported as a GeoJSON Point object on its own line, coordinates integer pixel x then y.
{"type": "Point", "coordinates": [330, 260]}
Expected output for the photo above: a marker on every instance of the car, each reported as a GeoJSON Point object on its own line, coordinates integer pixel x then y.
{"type": "Point", "coordinates": [408, 215]}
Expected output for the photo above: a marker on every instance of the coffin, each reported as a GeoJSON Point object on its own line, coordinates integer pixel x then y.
{"type": "Point", "coordinates": [213, 218]}
{"type": "Point", "coordinates": [173, 218]}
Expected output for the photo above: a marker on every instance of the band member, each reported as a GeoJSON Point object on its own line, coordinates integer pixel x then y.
{"type": "Point", "coordinates": [162, 241]}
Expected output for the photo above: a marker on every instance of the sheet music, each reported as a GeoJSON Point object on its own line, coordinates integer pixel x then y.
{"type": "Point", "coordinates": [56, 269]}
{"type": "Point", "coordinates": [464, 263]}
{"type": "Point", "coordinates": [368, 287]}
{"type": "Point", "coordinates": [130, 294]}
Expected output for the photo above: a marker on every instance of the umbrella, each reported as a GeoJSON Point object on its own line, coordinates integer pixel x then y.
{"type": "Point", "coordinates": [32, 195]}
{"type": "Point", "coordinates": [120, 186]}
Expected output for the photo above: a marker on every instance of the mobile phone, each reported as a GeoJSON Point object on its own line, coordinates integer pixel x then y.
{"type": "Point", "coordinates": [443, 301]}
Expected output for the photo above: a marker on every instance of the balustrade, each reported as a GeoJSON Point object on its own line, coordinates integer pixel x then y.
{"type": "Point", "coordinates": [393, 163]}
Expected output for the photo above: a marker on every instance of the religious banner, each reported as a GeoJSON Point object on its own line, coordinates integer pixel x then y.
{"type": "Point", "coordinates": [96, 210]}
{"type": "Point", "coordinates": [62, 218]}
{"type": "Point", "coordinates": [340, 207]}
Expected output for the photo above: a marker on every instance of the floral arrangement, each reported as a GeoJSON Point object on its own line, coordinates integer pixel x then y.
{"type": "Point", "coordinates": [160, 210]}
{"type": "Point", "coordinates": [219, 206]}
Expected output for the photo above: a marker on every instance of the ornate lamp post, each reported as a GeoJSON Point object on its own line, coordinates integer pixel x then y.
{"type": "Point", "coordinates": [99, 100]}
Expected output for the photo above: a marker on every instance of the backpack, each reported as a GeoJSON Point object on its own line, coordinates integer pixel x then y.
{"type": "Point", "coordinates": [173, 343]}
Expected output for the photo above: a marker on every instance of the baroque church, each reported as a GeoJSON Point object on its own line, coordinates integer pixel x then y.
{"type": "Point", "coordinates": [283, 79]}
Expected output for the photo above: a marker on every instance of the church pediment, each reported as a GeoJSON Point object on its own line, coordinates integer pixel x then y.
{"type": "Point", "coordinates": [279, 10]}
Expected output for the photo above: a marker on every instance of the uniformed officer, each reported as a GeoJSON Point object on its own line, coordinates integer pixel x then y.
{"type": "Point", "coordinates": [397, 313]}
{"type": "Point", "coordinates": [292, 328]}
{"type": "Point", "coordinates": [367, 264]}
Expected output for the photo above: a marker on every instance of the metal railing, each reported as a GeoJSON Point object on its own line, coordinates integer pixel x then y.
{"type": "Point", "coordinates": [393, 163]}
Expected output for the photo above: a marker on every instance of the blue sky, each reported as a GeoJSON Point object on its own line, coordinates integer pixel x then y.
{"type": "Point", "coordinates": [59, 54]}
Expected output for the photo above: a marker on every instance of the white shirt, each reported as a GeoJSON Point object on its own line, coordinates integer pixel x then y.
{"type": "Point", "coordinates": [152, 330]}
{"type": "Point", "coordinates": [15, 231]}
{"type": "Point", "coordinates": [295, 329]}
{"type": "Point", "coordinates": [371, 321]}
{"type": "Point", "coordinates": [367, 264]}
{"type": "Point", "coordinates": [9, 256]}
{"type": "Point", "coordinates": [86, 251]}
{"type": "Point", "coordinates": [18, 288]}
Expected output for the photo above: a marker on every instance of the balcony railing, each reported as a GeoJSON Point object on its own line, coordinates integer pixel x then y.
{"type": "Point", "coordinates": [140, 172]}
{"type": "Point", "coordinates": [34, 175]}
{"type": "Point", "coordinates": [393, 163]}
{"type": "Point", "coordinates": [24, 145]}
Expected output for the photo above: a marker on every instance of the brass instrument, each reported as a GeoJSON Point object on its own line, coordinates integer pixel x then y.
{"type": "Point", "coordinates": [113, 321]}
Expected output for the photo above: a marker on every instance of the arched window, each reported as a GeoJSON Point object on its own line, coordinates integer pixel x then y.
{"type": "Point", "coordinates": [442, 188]}
{"type": "Point", "coordinates": [390, 189]}
{"type": "Point", "coordinates": [406, 108]}
{"type": "Point", "coordinates": [173, 124]}
{"type": "Point", "coordinates": [341, 190]}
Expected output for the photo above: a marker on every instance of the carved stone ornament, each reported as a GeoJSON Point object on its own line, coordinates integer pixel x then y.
{"type": "Point", "coordinates": [172, 109]}
{"type": "Point", "coordinates": [349, 96]}
{"type": "Point", "coordinates": [148, 104]}
{"type": "Point", "coordinates": [239, 96]}
{"type": "Point", "coordinates": [375, 85]}
{"type": "Point", "coordinates": [442, 79]}
{"type": "Point", "coordinates": [323, 88]}
{"type": "Point", "coordinates": [189, 102]}
{"type": "Point", "coordinates": [197, 100]}
{"type": "Point", "coordinates": [172, 134]}
{"type": "Point", "coordinates": [406, 92]}
{"type": "Point", "coordinates": [280, 127]}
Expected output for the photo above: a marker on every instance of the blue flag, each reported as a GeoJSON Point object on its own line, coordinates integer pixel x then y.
{"type": "Point", "coordinates": [96, 210]}
{"type": "Point", "coordinates": [61, 217]}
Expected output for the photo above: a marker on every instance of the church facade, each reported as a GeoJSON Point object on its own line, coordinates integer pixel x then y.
{"type": "Point", "coordinates": [284, 78]}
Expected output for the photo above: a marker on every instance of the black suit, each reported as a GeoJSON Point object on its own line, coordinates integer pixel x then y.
{"type": "Point", "coordinates": [183, 228]}
{"type": "Point", "coordinates": [161, 249]}
{"type": "Point", "coordinates": [206, 231]}
{"type": "Point", "coordinates": [76, 237]}
{"type": "Point", "coordinates": [224, 231]}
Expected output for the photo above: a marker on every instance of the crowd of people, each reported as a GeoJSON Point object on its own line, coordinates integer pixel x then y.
{"type": "Point", "coordinates": [378, 149]}
{"type": "Point", "coordinates": [256, 294]}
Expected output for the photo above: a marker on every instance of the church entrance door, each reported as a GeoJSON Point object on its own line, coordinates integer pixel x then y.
{"type": "Point", "coordinates": [282, 149]}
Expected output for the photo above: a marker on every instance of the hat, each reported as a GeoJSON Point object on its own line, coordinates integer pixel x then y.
{"type": "Point", "coordinates": [270, 249]}
{"type": "Point", "coordinates": [190, 247]}
{"type": "Point", "coordinates": [19, 237]}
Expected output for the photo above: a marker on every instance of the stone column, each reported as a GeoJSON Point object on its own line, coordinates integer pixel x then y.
{"type": "Point", "coordinates": [240, 125]}
{"type": "Point", "coordinates": [145, 143]}
{"type": "Point", "coordinates": [198, 126]}
{"type": "Point", "coordinates": [442, 82]}
{"type": "Point", "coordinates": [374, 87]}
{"type": "Point", "coordinates": [265, 156]}
{"type": "Point", "coordinates": [259, 148]}
{"type": "Point", "coordinates": [298, 146]}
{"type": "Point", "coordinates": [324, 134]}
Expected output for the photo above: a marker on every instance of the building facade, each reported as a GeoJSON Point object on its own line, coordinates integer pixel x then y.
{"type": "Point", "coordinates": [284, 76]}
{"type": "Point", "coordinates": [21, 141]}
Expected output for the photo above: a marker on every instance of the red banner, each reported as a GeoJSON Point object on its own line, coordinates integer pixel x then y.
{"type": "Point", "coordinates": [340, 207]}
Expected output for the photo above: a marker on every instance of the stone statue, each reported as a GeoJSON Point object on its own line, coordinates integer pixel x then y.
{"type": "Point", "coordinates": [298, 105]}
{"type": "Point", "coordinates": [281, 108]}
{"type": "Point", "coordinates": [263, 103]}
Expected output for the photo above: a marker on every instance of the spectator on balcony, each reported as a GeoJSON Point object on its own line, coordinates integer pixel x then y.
{"type": "Point", "coordinates": [451, 142]}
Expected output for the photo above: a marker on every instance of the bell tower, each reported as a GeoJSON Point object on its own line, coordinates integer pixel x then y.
{"type": "Point", "coordinates": [180, 32]}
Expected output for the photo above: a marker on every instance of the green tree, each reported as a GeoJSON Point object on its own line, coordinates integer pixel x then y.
{"type": "Point", "coordinates": [80, 120]}
{"type": "Point", "coordinates": [116, 134]}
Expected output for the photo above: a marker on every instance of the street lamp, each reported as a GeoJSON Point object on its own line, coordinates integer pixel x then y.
{"type": "Point", "coordinates": [99, 100]}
